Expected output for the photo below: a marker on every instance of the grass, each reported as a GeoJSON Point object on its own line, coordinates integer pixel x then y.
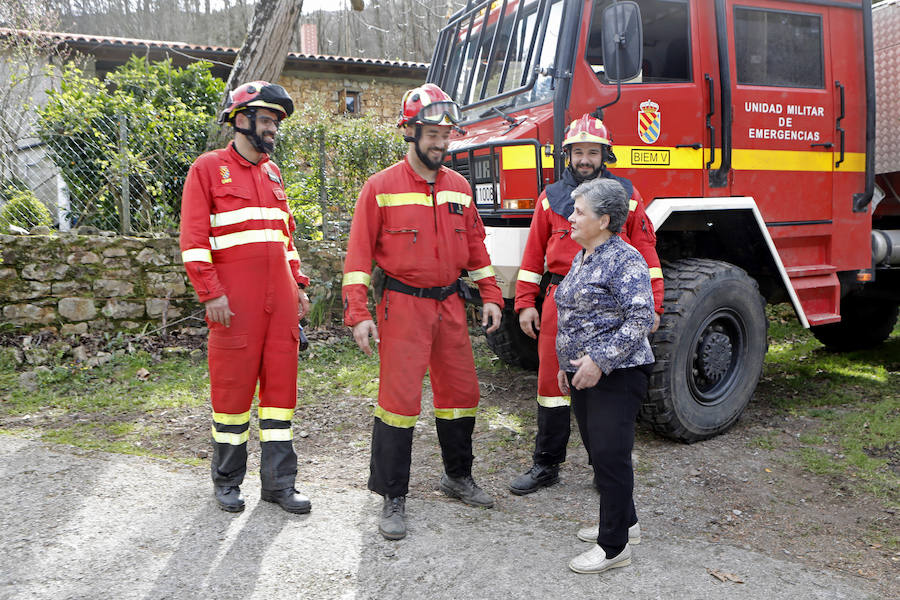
{"type": "Point", "coordinates": [339, 367]}
{"type": "Point", "coordinates": [112, 388]}
{"type": "Point", "coordinates": [853, 400]}
{"type": "Point", "coordinates": [850, 402]}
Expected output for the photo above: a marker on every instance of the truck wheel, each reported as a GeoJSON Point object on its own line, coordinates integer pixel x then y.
{"type": "Point", "coordinates": [865, 323]}
{"type": "Point", "coordinates": [511, 344]}
{"type": "Point", "coordinates": [709, 349]}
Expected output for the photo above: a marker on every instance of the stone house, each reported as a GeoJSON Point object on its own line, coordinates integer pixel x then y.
{"type": "Point", "coordinates": [346, 84]}
{"type": "Point", "coordinates": [355, 85]}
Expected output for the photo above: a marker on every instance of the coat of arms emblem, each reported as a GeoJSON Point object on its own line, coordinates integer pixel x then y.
{"type": "Point", "coordinates": [648, 122]}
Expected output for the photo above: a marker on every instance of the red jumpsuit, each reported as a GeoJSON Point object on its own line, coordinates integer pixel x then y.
{"type": "Point", "coordinates": [422, 235]}
{"type": "Point", "coordinates": [549, 237]}
{"type": "Point", "coordinates": [236, 240]}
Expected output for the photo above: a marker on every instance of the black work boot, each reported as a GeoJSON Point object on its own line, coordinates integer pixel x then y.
{"type": "Point", "coordinates": [393, 518]}
{"type": "Point", "coordinates": [289, 499]}
{"type": "Point", "coordinates": [535, 478]}
{"type": "Point", "coordinates": [229, 498]}
{"type": "Point", "coordinates": [466, 490]}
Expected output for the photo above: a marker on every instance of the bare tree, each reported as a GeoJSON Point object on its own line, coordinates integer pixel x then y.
{"type": "Point", "coordinates": [267, 43]}
{"type": "Point", "coordinates": [264, 50]}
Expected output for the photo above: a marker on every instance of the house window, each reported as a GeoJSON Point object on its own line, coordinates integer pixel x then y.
{"type": "Point", "coordinates": [349, 103]}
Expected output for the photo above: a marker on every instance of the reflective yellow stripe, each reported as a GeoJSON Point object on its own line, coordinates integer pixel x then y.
{"type": "Point", "coordinates": [668, 157]}
{"type": "Point", "coordinates": [632, 204]}
{"type": "Point", "coordinates": [394, 420]}
{"type": "Point", "coordinates": [853, 162]}
{"type": "Point", "coordinates": [248, 213]}
{"type": "Point", "coordinates": [662, 157]}
{"type": "Point", "coordinates": [232, 439]}
{"type": "Point", "coordinates": [545, 204]}
{"type": "Point", "coordinates": [272, 412]}
{"type": "Point", "coordinates": [455, 197]}
{"type": "Point", "coordinates": [229, 419]}
{"type": "Point", "coordinates": [454, 413]}
{"type": "Point", "coordinates": [293, 255]}
{"type": "Point", "coordinates": [406, 199]}
{"type": "Point", "coordinates": [196, 255]}
{"type": "Point", "coordinates": [553, 401]}
{"type": "Point", "coordinates": [481, 273]}
{"type": "Point", "coordinates": [254, 236]}
{"type": "Point", "coordinates": [529, 276]}
{"type": "Point", "coordinates": [655, 273]}
{"type": "Point", "coordinates": [360, 277]}
{"type": "Point", "coordinates": [275, 435]}
{"type": "Point", "coordinates": [781, 160]}
{"type": "Point", "coordinates": [522, 157]}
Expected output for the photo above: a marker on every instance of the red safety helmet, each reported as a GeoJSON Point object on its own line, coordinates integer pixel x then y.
{"type": "Point", "coordinates": [260, 94]}
{"type": "Point", "coordinates": [587, 129]}
{"type": "Point", "coordinates": [429, 105]}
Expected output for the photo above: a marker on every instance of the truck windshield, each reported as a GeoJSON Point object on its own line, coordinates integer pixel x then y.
{"type": "Point", "coordinates": [499, 54]}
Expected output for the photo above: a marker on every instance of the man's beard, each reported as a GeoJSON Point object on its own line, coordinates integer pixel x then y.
{"type": "Point", "coordinates": [262, 144]}
{"type": "Point", "coordinates": [430, 164]}
{"type": "Point", "coordinates": [582, 178]}
{"type": "Point", "coordinates": [256, 140]}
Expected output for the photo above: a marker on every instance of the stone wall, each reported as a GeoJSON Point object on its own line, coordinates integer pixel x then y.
{"type": "Point", "coordinates": [83, 283]}
{"type": "Point", "coordinates": [380, 96]}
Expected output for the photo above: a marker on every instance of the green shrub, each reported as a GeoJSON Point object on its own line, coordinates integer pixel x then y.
{"type": "Point", "coordinates": [354, 148]}
{"type": "Point", "coordinates": [22, 208]}
{"type": "Point", "coordinates": [162, 112]}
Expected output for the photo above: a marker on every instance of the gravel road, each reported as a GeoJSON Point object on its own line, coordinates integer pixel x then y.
{"type": "Point", "coordinates": [88, 525]}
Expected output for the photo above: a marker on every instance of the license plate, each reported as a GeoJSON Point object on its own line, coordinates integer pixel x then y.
{"type": "Point", "coordinates": [484, 193]}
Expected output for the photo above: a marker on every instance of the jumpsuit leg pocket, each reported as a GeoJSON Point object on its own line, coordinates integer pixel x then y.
{"type": "Point", "coordinates": [226, 354]}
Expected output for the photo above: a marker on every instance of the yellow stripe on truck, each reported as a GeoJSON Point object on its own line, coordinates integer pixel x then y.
{"type": "Point", "coordinates": [522, 157]}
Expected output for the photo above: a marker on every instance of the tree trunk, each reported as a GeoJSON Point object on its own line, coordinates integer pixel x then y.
{"type": "Point", "coordinates": [267, 43]}
{"type": "Point", "coordinates": [264, 51]}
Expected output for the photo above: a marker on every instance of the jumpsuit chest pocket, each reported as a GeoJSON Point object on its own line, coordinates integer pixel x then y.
{"type": "Point", "coordinates": [560, 233]}
{"type": "Point", "coordinates": [230, 197]}
{"type": "Point", "coordinates": [400, 244]}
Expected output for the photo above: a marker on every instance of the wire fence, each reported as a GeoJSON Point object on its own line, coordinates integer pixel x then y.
{"type": "Point", "coordinates": [107, 172]}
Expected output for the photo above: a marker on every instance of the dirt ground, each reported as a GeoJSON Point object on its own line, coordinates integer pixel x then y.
{"type": "Point", "coordinates": [727, 489]}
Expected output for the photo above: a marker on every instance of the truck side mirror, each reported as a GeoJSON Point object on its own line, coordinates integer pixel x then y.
{"type": "Point", "coordinates": [623, 41]}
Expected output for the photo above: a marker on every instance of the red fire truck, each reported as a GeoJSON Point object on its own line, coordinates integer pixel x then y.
{"type": "Point", "coordinates": [749, 128]}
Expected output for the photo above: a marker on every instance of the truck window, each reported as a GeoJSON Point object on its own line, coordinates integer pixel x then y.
{"type": "Point", "coordinates": [777, 48]}
{"type": "Point", "coordinates": [667, 56]}
{"type": "Point", "coordinates": [492, 54]}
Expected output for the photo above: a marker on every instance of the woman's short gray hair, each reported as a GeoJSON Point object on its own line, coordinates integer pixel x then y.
{"type": "Point", "coordinates": [605, 196]}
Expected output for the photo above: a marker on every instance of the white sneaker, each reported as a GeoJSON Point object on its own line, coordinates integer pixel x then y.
{"type": "Point", "coordinates": [589, 534]}
{"type": "Point", "coordinates": [595, 561]}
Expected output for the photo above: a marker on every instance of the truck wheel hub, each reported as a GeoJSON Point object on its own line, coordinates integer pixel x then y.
{"type": "Point", "coordinates": [714, 355]}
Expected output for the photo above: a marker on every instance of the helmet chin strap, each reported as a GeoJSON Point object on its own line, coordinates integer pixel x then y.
{"type": "Point", "coordinates": [258, 143]}
{"type": "Point", "coordinates": [430, 164]}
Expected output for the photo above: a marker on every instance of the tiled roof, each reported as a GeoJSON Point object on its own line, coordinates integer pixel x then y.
{"type": "Point", "coordinates": [85, 41]}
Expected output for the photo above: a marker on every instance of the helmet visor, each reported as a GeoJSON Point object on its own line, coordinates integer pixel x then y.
{"type": "Point", "coordinates": [434, 113]}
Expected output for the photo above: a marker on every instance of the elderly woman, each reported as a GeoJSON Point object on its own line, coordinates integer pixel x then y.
{"type": "Point", "coordinates": [605, 308]}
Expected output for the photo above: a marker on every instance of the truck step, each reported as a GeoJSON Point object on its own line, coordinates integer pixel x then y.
{"type": "Point", "coordinates": [819, 292]}
{"type": "Point", "coordinates": [810, 270]}
{"type": "Point", "coordinates": [822, 318]}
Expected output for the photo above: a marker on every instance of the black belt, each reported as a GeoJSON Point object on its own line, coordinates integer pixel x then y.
{"type": "Point", "coordinates": [555, 278]}
{"type": "Point", "coordinates": [435, 293]}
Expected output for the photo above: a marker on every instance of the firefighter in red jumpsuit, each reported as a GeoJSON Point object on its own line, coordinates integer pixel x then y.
{"type": "Point", "coordinates": [417, 221]}
{"type": "Point", "coordinates": [588, 148]}
{"type": "Point", "coordinates": [239, 255]}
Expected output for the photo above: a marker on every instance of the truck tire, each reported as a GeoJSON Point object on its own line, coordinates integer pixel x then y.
{"type": "Point", "coordinates": [709, 350]}
{"type": "Point", "coordinates": [865, 323]}
{"type": "Point", "coordinates": [511, 344]}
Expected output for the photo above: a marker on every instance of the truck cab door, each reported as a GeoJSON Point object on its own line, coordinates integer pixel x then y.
{"type": "Point", "coordinates": [783, 101]}
{"type": "Point", "coordinates": [657, 125]}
